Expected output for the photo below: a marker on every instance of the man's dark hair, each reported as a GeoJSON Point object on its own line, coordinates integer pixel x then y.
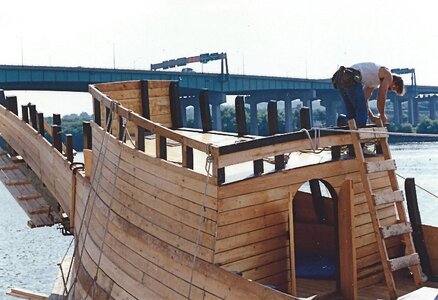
{"type": "Point", "coordinates": [400, 85]}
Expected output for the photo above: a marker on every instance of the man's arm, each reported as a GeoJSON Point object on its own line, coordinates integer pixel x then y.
{"type": "Point", "coordinates": [386, 80]}
{"type": "Point", "coordinates": [368, 91]}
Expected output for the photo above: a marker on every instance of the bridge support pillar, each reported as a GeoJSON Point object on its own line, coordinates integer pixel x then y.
{"type": "Point", "coordinates": [216, 99]}
{"type": "Point", "coordinates": [411, 110]}
{"type": "Point", "coordinates": [331, 111]}
{"type": "Point", "coordinates": [432, 108]}
{"type": "Point", "coordinates": [254, 129]}
{"type": "Point", "coordinates": [397, 108]}
{"type": "Point", "coordinates": [415, 114]}
{"type": "Point", "coordinates": [288, 115]}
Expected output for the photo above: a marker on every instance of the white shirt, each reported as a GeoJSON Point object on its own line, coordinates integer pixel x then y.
{"type": "Point", "coordinates": [369, 72]}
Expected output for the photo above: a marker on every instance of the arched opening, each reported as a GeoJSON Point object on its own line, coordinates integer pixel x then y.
{"type": "Point", "coordinates": [315, 238]}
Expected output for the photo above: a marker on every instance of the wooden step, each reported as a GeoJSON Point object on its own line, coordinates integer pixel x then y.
{"type": "Point", "coordinates": [395, 229]}
{"type": "Point", "coordinates": [18, 182]}
{"type": "Point", "coordinates": [8, 167]}
{"type": "Point", "coordinates": [380, 166]}
{"type": "Point", "coordinates": [365, 134]}
{"type": "Point", "coordinates": [29, 197]}
{"type": "Point", "coordinates": [404, 262]}
{"type": "Point", "coordinates": [386, 197]}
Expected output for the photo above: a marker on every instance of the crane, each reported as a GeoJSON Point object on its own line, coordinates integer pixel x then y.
{"type": "Point", "coordinates": [202, 58]}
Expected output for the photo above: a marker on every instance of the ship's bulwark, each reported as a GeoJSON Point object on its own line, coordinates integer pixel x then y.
{"type": "Point", "coordinates": [149, 228]}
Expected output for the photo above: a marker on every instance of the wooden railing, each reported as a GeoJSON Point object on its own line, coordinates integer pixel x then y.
{"type": "Point", "coordinates": [248, 149]}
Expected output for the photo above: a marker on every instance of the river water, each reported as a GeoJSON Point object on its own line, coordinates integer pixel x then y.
{"type": "Point", "coordinates": [29, 257]}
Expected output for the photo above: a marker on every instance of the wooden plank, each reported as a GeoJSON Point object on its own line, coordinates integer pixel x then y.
{"type": "Point", "coordinates": [25, 294]}
{"type": "Point", "coordinates": [380, 166]}
{"type": "Point", "coordinates": [251, 224]}
{"type": "Point", "coordinates": [431, 240]}
{"type": "Point", "coordinates": [123, 95]}
{"type": "Point", "coordinates": [396, 229]}
{"type": "Point", "coordinates": [29, 197]}
{"type": "Point", "coordinates": [118, 86]}
{"type": "Point", "coordinates": [372, 133]}
{"type": "Point", "coordinates": [8, 167]}
{"type": "Point", "coordinates": [404, 262]}
{"type": "Point", "coordinates": [158, 91]}
{"type": "Point", "coordinates": [253, 262]}
{"type": "Point", "coordinates": [251, 237]}
{"type": "Point", "coordinates": [252, 198]}
{"type": "Point", "coordinates": [242, 214]}
{"type": "Point", "coordinates": [347, 246]}
{"type": "Point", "coordinates": [17, 181]}
{"type": "Point", "coordinates": [388, 197]}
{"type": "Point", "coordinates": [152, 84]}
{"type": "Point", "coordinates": [255, 249]}
{"type": "Point", "coordinates": [423, 293]}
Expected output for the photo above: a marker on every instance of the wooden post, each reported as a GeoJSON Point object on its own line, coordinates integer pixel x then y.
{"type": "Point", "coordinates": [187, 157]}
{"type": "Point", "coordinates": [174, 105]}
{"type": "Point", "coordinates": [96, 112]}
{"type": "Point", "coordinates": [121, 130]}
{"type": "Point", "coordinates": [11, 104]}
{"type": "Point", "coordinates": [33, 116]}
{"type": "Point", "coordinates": [417, 226]}
{"type": "Point", "coordinates": [347, 245]}
{"type": "Point", "coordinates": [242, 130]}
{"type": "Point", "coordinates": [2, 98]}
{"type": "Point", "coordinates": [144, 86]}
{"type": "Point", "coordinates": [25, 113]}
{"type": "Point", "coordinates": [139, 144]}
{"type": "Point", "coordinates": [273, 129]}
{"type": "Point", "coordinates": [108, 119]}
{"type": "Point", "coordinates": [336, 150]}
{"type": "Point", "coordinates": [305, 121]}
{"type": "Point", "coordinates": [57, 119]}
{"type": "Point", "coordinates": [205, 111]}
{"type": "Point", "coordinates": [239, 105]}
{"type": "Point", "coordinates": [41, 123]}
{"type": "Point", "coordinates": [87, 138]}
{"type": "Point", "coordinates": [69, 147]}
{"type": "Point", "coordinates": [57, 142]}
{"type": "Point", "coordinates": [160, 146]}
{"type": "Point", "coordinates": [220, 175]}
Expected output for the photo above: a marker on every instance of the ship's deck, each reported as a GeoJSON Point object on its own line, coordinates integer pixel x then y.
{"type": "Point", "coordinates": [317, 289]}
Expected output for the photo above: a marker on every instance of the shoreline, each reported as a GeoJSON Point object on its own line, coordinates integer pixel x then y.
{"type": "Point", "coordinates": [410, 139]}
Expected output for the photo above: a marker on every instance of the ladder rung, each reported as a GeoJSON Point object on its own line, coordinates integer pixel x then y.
{"type": "Point", "coordinates": [8, 167]}
{"type": "Point", "coordinates": [388, 197]}
{"type": "Point", "coordinates": [372, 133]}
{"type": "Point", "coordinates": [404, 262]}
{"type": "Point", "coordinates": [29, 197]}
{"type": "Point", "coordinates": [17, 182]}
{"type": "Point", "coordinates": [395, 229]}
{"type": "Point", "coordinates": [380, 166]}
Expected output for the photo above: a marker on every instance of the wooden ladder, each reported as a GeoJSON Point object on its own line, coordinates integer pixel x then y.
{"type": "Point", "coordinates": [375, 199]}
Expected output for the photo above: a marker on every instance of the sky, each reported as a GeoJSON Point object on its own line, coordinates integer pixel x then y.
{"type": "Point", "coordinates": [304, 39]}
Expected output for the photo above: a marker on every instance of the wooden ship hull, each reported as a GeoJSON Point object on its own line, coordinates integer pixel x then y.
{"type": "Point", "coordinates": [159, 211]}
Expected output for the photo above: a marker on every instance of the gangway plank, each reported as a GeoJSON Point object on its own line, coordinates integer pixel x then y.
{"type": "Point", "coordinates": [34, 204]}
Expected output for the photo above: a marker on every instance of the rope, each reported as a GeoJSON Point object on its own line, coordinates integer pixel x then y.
{"type": "Point", "coordinates": [124, 121]}
{"type": "Point", "coordinates": [420, 187]}
{"type": "Point", "coordinates": [65, 279]}
{"type": "Point", "coordinates": [429, 135]}
{"type": "Point", "coordinates": [313, 143]}
{"type": "Point", "coordinates": [208, 162]}
{"type": "Point", "coordinates": [105, 140]}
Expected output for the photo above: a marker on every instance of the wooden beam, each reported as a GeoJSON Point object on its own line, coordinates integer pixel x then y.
{"type": "Point", "coordinates": [347, 247]}
{"type": "Point", "coordinates": [205, 110]}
